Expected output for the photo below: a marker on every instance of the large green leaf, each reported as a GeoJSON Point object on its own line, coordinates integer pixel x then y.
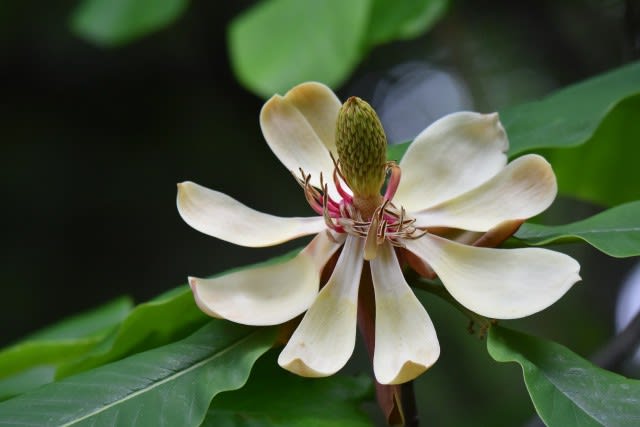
{"type": "Point", "coordinates": [274, 397]}
{"type": "Point", "coordinates": [160, 321]}
{"type": "Point", "coordinates": [570, 116]}
{"type": "Point", "coordinates": [615, 231]}
{"type": "Point", "coordinates": [567, 390]}
{"type": "Point", "coordinates": [279, 43]}
{"type": "Point", "coordinates": [605, 169]}
{"type": "Point", "coordinates": [33, 361]}
{"type": "Point", "coordinates": [171, 385]}
{"type": "Point", "coordinates": [115, 22]}
{"type": "Point", "coordinates": [595, 122]}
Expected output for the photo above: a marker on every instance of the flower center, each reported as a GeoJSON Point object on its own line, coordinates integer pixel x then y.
{"type": "Point", "coordinates": [376, 219]}
{"type": "Point", "coordinates": [358, 176]}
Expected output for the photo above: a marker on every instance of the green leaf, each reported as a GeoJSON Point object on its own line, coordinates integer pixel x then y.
{"type": "Point", "coordinates": [115, 22]}
{"type": "Point", "coordinates": [274, 397]}
{"type": "Point", "coordinates": [400, 20]}
{"type": "Point", "coordinates": [171, 385]}
{"type": "Point", "coordinates": [604, 170]}
{"type": "Point", "coordinates": [26, 380]}
{"type": "Point", "coordinates": [280, 43]}
{"type": "Point", "coordinates": [160, 321]}
{"type": "Point", "coordinates": [90, 323]}
{"type": "Point", "coordinates": [567, 390]}
{"type": "Point", "coordinates": [615, 231]}
{"type": "Point", "coordinates": [33, 361]}
{"type": "Point", "coordinates": [595, 123]}
{"type": "Point", "coordinates": [570, 116]}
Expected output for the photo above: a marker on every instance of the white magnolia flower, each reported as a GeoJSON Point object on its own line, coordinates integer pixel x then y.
{"type": "Point", "coordinates": [455, 176]}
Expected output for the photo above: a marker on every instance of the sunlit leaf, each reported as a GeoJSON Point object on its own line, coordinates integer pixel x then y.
{"type": "Point", "coordinates": [64, 340]}
{"type": "Point", "coordinates": [280, 43]}
{"type": "Point", "coordinates": [115, 22]}
{"type": "Point", "coordinates": [87, 324]}
{"type": "Point", "coordinates": [34, 360]}
{"type": "Point", "coordinates": [393, 20]}
{"type": "Point", "coordinates": [566, 389]}
{"type": "Point", "coordinates": [171, 385]}
{"type": "Point", "coordinates": [274, 397]}
{"type": "Point", "coordinates": [160, 321]}
{"type": "Point", "coordinates": [615, 231]}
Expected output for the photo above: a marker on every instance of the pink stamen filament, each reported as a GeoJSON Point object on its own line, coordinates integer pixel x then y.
{"type": "Point", "coordinates": [394, 181]}
{"type": "Point", "coordinates": [343, 193]}
{"type": "Point", "coordinates": [387, 224]}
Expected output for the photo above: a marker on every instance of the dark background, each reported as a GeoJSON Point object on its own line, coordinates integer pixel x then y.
{"type": "Point", "coordinates": [94, 140]}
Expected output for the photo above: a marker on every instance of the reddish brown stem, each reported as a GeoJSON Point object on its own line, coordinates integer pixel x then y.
{"type": "Point", "coordinates": [397, 402]}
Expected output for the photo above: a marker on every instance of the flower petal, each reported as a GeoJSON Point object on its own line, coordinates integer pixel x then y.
{"type": "Point", "coordinates": [406, 344]}
{"type": "Point", "coordinates": [320, 106]}
{"type": "Point", "coordinates": [498, 283]}
{"type": "Point", "coordinates": [300, 129]}
{"type": "Point", "coordinates": [453, 155]}
{"type": "Point", "coordinates": [219, 215]}
{"type": "Point", "coordinates": [266, 295]}
{"type": "Point", "coordinates": [324, 340]}
{"type": "Point", "coordinates": [526, 187]}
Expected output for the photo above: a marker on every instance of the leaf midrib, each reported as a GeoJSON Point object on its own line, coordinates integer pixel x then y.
{"type": "Point", "coordinates": [161, 382]}
{"type": "Point", "coordinates": [566, 396]}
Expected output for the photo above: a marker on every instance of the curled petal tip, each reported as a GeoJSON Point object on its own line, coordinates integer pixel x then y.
{"type": "Point", "coordinates": [409, 371]}
{"type": "Point", "coordinates": [298, 367]}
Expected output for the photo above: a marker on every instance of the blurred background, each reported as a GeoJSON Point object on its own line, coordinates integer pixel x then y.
{"type": "Point", "coordinates": [94, 140]}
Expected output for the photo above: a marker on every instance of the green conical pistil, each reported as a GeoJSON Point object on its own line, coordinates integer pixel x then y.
{"type": "Point", "coordinates": [362, 145]}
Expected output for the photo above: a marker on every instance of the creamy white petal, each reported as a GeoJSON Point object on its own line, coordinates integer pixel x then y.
{"type": "Point", "coordinates": [526, 187]}
{"type": "Point", "coordinates": [498, 283]}
{"type": "Point", "coordinates": [221, 216]}
{"type": "Point", "coordinates": [453, 155]}
{"type": "Point", "coordinates": [266, 295]}
{"type": "Point", "coordinates": [324, 340]}
{"type": "Point", "coordinates": [319, 106]}
{"type": "Point", "coordinates": [406, 344]}
{"type": "Point", "coordinates": [300, 129]}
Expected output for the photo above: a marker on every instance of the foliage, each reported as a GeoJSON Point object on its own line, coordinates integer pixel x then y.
{"type": "Point", "coordinates": [325, 40]}
{"type": "Point", "coordinates": [35, 360]}
{"type": "Point", "coordinates": [116, 22]}
{"type": "Point", "coordinates": [294, 402]}
{"type": "Point", "coordinates": [170, 385]}
{"type": "Point", "coordinates": [615, 231]}
{"type": "Point", "coordinates": [567, 390]}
